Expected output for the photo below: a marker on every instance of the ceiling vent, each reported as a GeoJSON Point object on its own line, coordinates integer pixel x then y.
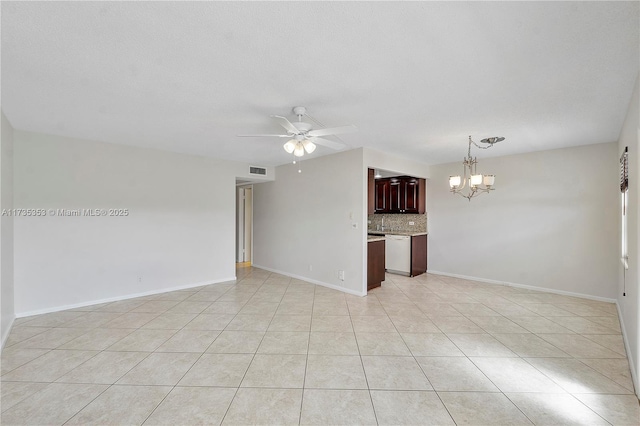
{"type": "Point", "coordinates": [258, 171]}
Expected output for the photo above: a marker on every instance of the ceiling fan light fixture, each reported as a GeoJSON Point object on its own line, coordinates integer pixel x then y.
{"type": "Point", "coordinates": [302, 137]}
{"type": "Point", "coordinates": [298, 150]}
{"type": "Point", "coordinates": [290, 146]}
{"type": "Point", "coordinates": [308, 146]}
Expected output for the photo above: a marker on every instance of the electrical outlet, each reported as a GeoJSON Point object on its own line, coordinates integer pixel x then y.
{"type": "Point", "coordinates": [310, 267]}
{"type": "Point", "coordinates": [139, 279]}
{"type": "Point", "coordinates": [341, 275]}
{"type": "Point", "coordinates": [412, 223]}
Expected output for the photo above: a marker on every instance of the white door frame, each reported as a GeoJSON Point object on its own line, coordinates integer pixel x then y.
{"type": "Point", "coordinates": [244, 223]}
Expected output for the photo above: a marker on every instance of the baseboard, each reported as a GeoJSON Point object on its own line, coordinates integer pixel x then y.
{"type": "Point", "coordinates": [627, 348]}
{"type": "Point", "coordinates": [312, 281]}
{"type": "Point", "coordinates": [525, 286]}
{"type": "Point", "coordinates": [5, 336]}
{"type": "Point", "coordinates": [118, 298]}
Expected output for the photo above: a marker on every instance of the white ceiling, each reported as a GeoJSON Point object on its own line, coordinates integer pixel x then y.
{"type": "Point", "coordinates": [416, 78]}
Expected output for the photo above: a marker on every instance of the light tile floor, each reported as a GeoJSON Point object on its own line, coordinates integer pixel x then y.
{"type": "Point", "coordinates": [274, 350]}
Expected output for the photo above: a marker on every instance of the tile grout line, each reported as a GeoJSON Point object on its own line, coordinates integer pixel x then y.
{"type": "Point", "coordinates": [364, 372]}
{"type": "Point", "coordinates": [306, 364]}
{"type": "Point", "coordinates": [420, 366]}
{"type": "Point", "coordinates": [257, 348]}
{"type": "Point", "coordinates": [205, 351]}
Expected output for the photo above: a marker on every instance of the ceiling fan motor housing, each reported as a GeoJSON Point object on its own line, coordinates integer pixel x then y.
{"type": "Point", "coordinates": [302, 126]}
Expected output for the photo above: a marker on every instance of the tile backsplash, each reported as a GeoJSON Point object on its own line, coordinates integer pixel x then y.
{"type": "Point", "coordinates": [398, 222]}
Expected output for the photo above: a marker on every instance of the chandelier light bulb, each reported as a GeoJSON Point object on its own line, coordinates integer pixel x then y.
{"type": "Point", "coordinates": [476, 180]}
{"type": "Point", "coordinates": [489, 180]}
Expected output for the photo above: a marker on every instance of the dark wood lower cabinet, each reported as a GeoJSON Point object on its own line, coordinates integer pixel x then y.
{"type": "Point", "coordinates": [375, 264]}
{"type": "Point", "coordinates": [418, 255]}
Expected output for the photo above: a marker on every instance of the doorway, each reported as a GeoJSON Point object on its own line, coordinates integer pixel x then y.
{"type": "Point", "coordinates": [244, 224]}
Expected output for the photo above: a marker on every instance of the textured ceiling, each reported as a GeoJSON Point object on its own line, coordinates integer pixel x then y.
{"type": "Point", "coordinates": [416, 78]}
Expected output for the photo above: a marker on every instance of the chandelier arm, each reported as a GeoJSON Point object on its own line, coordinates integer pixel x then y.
{"type": "Point", "coordinates": [459, 189]}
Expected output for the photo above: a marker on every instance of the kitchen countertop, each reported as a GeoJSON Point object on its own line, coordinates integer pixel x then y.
{"type": "Point", "coordinates": [410, 234]}
{"type": "Point", "coordinates": [372, 238]}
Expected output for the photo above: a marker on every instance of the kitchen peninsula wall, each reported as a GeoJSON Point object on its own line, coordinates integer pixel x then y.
{"type": "Point", "coordinates": [398, 222]}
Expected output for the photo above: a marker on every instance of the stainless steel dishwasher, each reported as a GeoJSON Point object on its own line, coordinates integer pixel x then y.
{"type": "Point", "coordinates": [398, 254]}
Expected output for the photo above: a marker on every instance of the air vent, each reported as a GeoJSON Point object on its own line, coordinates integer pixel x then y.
{"type": "Point", "coordinates": [258, 171]}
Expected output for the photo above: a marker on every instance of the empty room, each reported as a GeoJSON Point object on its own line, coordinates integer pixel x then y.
{"type": "Point", "coordinates": [320, 213]}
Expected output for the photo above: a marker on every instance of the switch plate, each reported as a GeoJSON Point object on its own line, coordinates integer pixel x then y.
{"type": "Point", "coordinates": [412, 223]}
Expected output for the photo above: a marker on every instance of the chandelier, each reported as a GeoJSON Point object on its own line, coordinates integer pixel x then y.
{"type": "Point", "coordinates": [477, 183]}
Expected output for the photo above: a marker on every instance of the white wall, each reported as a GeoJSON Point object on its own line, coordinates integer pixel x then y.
{"type": "Point", "coordinates": [552, 221]}
{"type": "Point", "coordinates": [179, 232]}
{"type": "Point", "coordinates": [6, 230]}
{"type": "Point", "coordinates": [628, 304]}
{"type": "Point", "coordinates": [382, 160]}
{"type": "Point", "coordinates": [306, 218]}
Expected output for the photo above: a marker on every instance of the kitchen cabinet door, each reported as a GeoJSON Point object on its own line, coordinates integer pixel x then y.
{"type": "Point", "coordinates": [382, 196]}
{"type": "Point", "coordinates": [411, 195]}
{"type": "Point", "coordinates": [396, 196]}
{"type": "Point", "coordinates": [371, 192]}
{"type": "Point", "coordinates": [418, 255]}
{"type": "Point", "coordinates": [375, 264]}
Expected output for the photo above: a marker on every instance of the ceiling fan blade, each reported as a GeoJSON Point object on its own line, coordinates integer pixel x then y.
{"type": "Point", "coordinates": [333, 131]}
{"type": "Point", "coordinates": [263, 136]}
{"type": "Point", "coordinates": [329, 144]}
{"type": "Point", "coordinates": [286, 124]}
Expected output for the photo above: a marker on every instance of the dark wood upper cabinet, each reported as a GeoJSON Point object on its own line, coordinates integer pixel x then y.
{"type": "Point", "coordinates": [382, 196]}
{"type": "Point", "coordinates": [395, 196]}
{"type": "Point", "coordinates": [403, 194]}
{"type": "Point", "coordinates": [410, 187]}
{"type": "Point", "coordinates": [371, 193]}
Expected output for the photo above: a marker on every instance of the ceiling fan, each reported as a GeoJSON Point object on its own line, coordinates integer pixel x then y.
{"type": "Point", "coordinates": [302, 137]}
